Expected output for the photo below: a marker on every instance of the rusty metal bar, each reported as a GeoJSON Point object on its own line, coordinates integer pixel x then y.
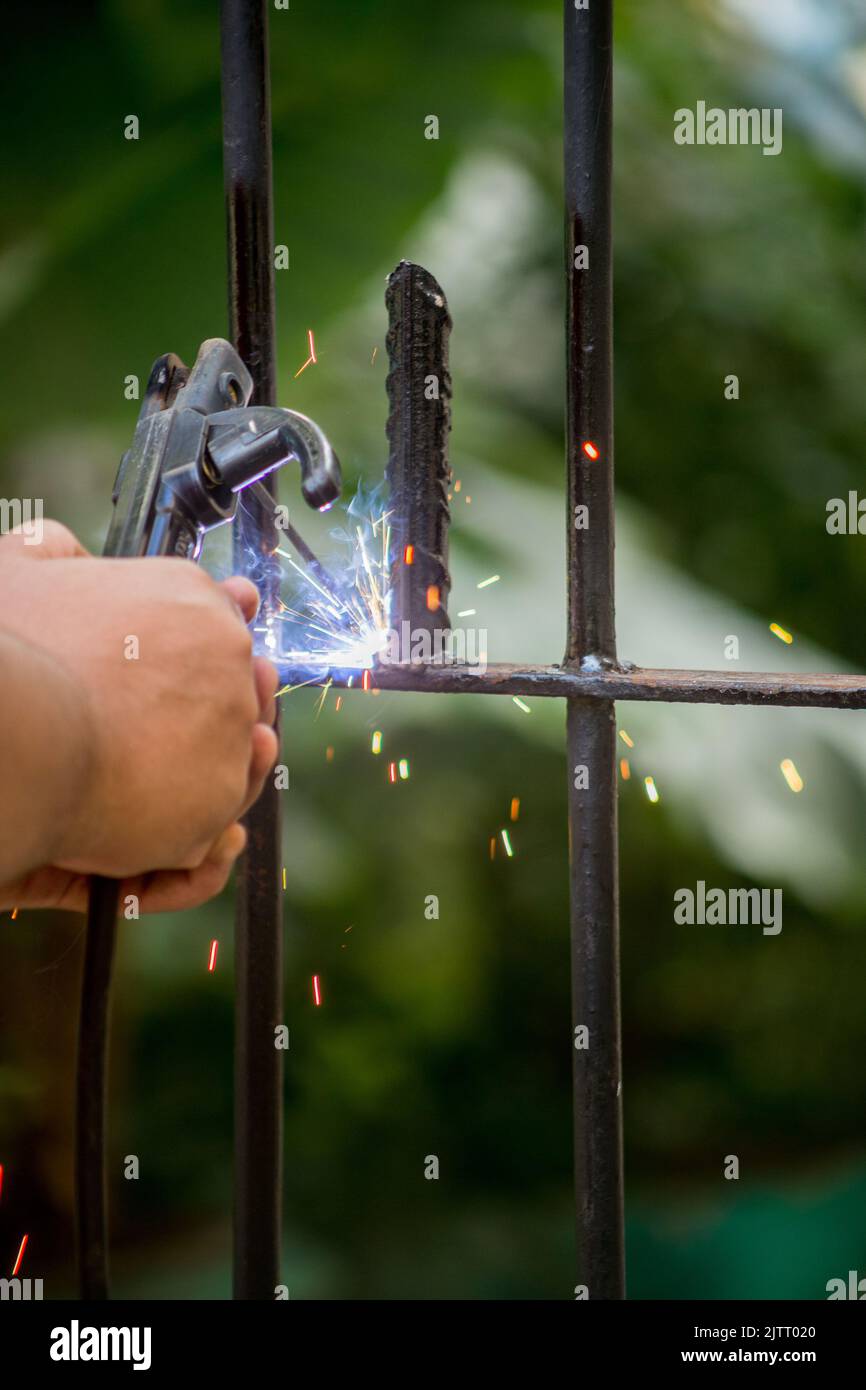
{"type": "Point", "coordinates": [258, 917]}
{"type": "Point", "coordinates": [804, 690]}
{"type": "Point", "coordinates": [419, 422]}
{"type": "Point", "coordinates": [591, 646]}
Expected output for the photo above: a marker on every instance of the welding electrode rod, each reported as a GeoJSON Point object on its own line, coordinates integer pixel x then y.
{"type": "Point", "coordinates": [258, 920]}
{"type": "Point", "coordinates": [592, 794]}
{"type": "Point", "coordinates": [308, 555]}
{"type": "Point", "coordinates": [312, 561]}
{"type": "Point", "coordinates": [419, 423]}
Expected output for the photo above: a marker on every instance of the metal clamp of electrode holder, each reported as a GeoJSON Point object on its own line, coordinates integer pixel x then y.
{"type": "Point", "coordinates": [197, 444]}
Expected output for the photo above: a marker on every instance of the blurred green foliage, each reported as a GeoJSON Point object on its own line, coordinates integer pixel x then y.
{"type": "Point", "coordinates": [452, 1036]}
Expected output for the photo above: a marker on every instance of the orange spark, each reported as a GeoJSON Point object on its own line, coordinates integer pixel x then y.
{"type": "Point", "coordinates": [214, 947]}
{"type": "Point", "coordinates": [312, 359]}
{"type": "Point", "coordinates": [409, 555]}
{"type": "Point", "coordinates": [590, 450]}
{"type": "Point", "coordinates": [317, 991]}
{"type": "Point", "coordinates": [515, 807]}
{"type": "Point", "coordinates": [433, 597]}
{"type": "Point", "coordinates": [21, 1250]}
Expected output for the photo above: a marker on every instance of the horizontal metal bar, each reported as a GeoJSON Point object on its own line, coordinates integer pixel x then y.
{"type": "Point", "coordinates": [675, 687]}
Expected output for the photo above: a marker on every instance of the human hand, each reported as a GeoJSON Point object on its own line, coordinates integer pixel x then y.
{"type": "Point", "coordinates": [172, 709]}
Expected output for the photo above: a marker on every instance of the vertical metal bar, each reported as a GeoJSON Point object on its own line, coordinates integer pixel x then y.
{"type": "Point", "coordinates": [91, 1092]}
{"type": "Point", "coordinates": [419, 422]}
{"type": "Point", "coordinates": [588, 72]}
{"type": "Point", "coordinates": [258, 924]}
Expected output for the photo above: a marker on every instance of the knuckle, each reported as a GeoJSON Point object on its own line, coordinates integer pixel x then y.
{"type": "Point", "coordinates": [270, 678]}
{"type": "Point", "coordinates": [194, 856]}
{"type": "Point", "coordinates": [182, 573]}
{"type": "Point", "coordinates": [232, 786]}
{"type": "Point", "coordinates": [244, 642]}
{"type": "Point", "coordinates": [242, 704]}
{"type": "Point", "coordinates": [235, 638]}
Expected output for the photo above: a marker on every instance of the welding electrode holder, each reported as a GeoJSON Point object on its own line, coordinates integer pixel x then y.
{"type": "Point", "coordinates": [197, 445]}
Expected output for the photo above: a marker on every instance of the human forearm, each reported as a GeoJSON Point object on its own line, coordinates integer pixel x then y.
{"type": "Point", "coordinates": [45, 755]}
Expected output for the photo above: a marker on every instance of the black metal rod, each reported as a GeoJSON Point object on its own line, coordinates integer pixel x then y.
{"type": "Point", "coordinates": [596, 1047]}
{"type": "Point", "coordinates": [258, 919]}
{"type": "Point", "coordinates": [592, 798]}
{"type": "Point", "coordinates": [803, 690]}
{"type": "Point", "coordinates": [589, 331]}
{"type": "Point", "coordinates": [91, 1199]}
{"type": "Point", "coordinates": [419, 423]}
{"type": "Point", "coordinates": [125, 537]}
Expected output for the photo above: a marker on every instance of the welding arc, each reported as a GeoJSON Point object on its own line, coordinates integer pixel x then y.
{"type": "Point", "coordinates": [90, 1098]}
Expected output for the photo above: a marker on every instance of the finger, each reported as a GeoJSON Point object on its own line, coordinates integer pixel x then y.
{"type": "Point", "coordinates": [45, 540]}
{"type": "Point", "coordinates": [267, 679]}
{"type": "Point", "coordinates": [49, 887]}
{"type": "Point", "coordinates": [265, 748]}
{"type": "Point", "coordinates": [174, 890]}
{"type": "Point", "coordinates": [164, 890]}
{"type": "Point", "coordinates": [244, 594]}
{"type": "Point", "coordinates": [206, 851]}
{"type": "Point", "coordinates": [228, 846]}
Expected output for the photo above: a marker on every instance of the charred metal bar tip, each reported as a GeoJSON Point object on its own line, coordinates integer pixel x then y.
{"type": "Point", "coordinates": [419, 421]}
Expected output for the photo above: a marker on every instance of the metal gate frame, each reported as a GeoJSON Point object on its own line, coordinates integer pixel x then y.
{"type": "Point", "coordinates": [590, 679]}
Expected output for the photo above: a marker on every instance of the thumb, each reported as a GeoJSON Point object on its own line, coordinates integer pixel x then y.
{"type": "Point", "coordinates": [49, 540]}
{"type": "Point", "coordinates": [244, 594]}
